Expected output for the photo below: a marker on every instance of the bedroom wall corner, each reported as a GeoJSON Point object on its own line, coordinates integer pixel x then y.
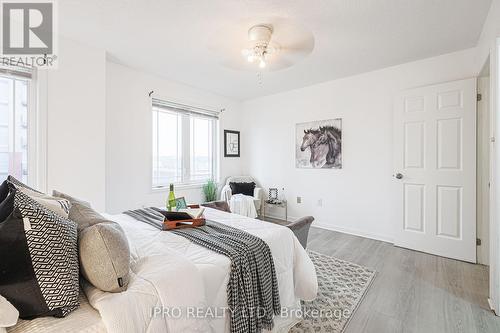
{"type": "Point", "coordinates": [75, 122]}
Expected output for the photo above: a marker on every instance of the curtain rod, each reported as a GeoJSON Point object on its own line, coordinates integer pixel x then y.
{"type": "Point", "coordinates": [186, 106]}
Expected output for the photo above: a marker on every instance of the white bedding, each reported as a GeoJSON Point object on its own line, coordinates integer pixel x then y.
{"type": "Point", "coordinates": [85, 319]}
{"type": "Point", "coordinates": [169, 271]}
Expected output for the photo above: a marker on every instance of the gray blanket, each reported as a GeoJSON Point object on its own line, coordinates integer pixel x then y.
{"type": "Point", "coordinates": [252, 290]}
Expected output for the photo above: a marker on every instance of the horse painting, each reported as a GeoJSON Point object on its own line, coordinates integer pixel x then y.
{"type": "Point", "coordinates": [319, 144]}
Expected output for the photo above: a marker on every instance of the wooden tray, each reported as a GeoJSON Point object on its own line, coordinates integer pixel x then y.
{"type": "Point", "coordinates": [179, 224]}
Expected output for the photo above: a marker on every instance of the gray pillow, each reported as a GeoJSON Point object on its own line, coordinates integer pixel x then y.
{"type": "Point", "coordinates": [103, 247]}
{"type": "Point", "coordinates": [105, 256]}
{"type": "Point", "coordinates": [80, 211]}
{"type": "Point", "coordinates": [69, 198]}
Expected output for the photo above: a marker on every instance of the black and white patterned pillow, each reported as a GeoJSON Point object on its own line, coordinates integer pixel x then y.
{"type": "Point", "coordinates": [60, 206]}
{"type": "Point", "coordinates": [18, 183]}
{"type": "Point", "coordinates": [51, 241]}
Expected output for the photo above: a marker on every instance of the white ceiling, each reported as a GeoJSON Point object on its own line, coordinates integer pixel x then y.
{"type": "Point", "coordinates": [169, 38]}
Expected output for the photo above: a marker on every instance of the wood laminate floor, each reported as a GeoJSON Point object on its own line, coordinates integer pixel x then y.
{"type": "Point", "coordinates": [413, 291]}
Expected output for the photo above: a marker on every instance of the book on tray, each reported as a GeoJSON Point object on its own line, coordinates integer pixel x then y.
{"type": "Point", "coordinates": [184, 214]}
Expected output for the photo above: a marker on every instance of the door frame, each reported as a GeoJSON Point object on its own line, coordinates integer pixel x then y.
{"type": "Point", "coordinates": [484, 150]}
{"type": "Point", "coordinates": [494, 292]}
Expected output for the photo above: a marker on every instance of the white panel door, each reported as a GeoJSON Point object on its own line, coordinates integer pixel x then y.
{"type": "Point", "coordinates": [435, 167]}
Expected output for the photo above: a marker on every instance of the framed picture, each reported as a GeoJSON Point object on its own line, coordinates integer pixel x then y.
{"type": "Point", "coordinates": [180, 203]}
{"type": "Point", "coordinates": [273, 193]}
{"type": "Point", "coordinates": [318, 144]}
{"type": "Point", "coordinates": [231, 143]}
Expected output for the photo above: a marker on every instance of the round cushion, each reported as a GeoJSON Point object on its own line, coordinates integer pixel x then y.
{"type": "Point", "coordinates": [105, 256]}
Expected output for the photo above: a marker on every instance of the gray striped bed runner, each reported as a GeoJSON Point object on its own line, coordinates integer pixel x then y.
{"type": "Point", "coordinates": [252, 290]}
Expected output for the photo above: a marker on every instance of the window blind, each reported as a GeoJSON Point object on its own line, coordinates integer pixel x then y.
{"type": "Point", "coordinates": [185, 109]}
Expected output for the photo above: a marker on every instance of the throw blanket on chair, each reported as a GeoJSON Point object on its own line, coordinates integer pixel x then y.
{"type": "Point", "coordinates": [243, 205]}
{"type": "Point", "coordinates": [252, 290]}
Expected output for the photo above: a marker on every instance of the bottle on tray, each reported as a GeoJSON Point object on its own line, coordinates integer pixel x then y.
{"type": "Point", "coordinates": [171, 199]}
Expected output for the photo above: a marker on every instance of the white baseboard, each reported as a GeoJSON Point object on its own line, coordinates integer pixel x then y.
{"type": "Point", "coordinates": [281, 217]}
{"type": "Point", "coordinates": [490, 303]}
{"type": "Point", "coordinates": [349, 231]}
{"type": "Point", "coordinates": [354, 232]}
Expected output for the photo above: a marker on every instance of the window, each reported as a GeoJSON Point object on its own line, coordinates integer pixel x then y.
{"type": "Point", "coordinates": [184, 144]}
{"type": "Point", "coordinates": [15, 87]}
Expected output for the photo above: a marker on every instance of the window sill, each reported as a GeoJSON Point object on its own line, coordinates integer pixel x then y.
{"type": "Point", "coordinates": [177, 187]}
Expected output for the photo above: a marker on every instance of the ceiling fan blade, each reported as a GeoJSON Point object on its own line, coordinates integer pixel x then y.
{"type": "Point", "coordinates": [304, 45]}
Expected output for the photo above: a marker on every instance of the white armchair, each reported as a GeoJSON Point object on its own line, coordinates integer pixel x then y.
{"type": "Point", "coordinates": [257, 193]}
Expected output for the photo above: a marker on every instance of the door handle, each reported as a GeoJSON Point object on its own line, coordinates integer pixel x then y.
{"type": "Point", "coordinates": [398, 176]}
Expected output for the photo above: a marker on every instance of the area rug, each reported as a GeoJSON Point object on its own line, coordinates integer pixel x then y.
{"type": "Point", "coordinates": [342, 286]}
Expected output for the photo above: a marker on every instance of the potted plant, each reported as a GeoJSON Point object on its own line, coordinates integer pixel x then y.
{"type": "Point", "coordinates": [210, 190]}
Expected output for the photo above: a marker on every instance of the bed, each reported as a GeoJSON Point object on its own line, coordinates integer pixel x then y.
{"type": "Point", "coordinates": [84, 320]}
{"type": "Point", "coordinates": [171, 274]}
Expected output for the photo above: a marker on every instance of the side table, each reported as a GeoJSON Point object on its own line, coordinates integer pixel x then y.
{"type": "Point", "coordinates": [281, 204]}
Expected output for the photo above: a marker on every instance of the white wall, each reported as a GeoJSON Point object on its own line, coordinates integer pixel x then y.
{"type": "Point", "coordinates": [360, 198]}
{"type": "Point", "coordinates": [75, 109]}
{"type": "Point", "coordinates": [129, 135]}
{"type": "Point", "coordinates": [487, 39]}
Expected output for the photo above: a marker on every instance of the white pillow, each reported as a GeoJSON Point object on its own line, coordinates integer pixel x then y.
{"type": "Point", "coordinates": [8, 314]}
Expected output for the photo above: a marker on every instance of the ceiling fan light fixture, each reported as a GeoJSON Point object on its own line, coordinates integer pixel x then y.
{"type": "Point", "coordinates": [260, 37]}
{"type": "Point", "coordinates": [282, 41]}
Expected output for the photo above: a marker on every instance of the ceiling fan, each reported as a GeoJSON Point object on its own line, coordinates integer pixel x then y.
{"type": "Point", "coordinates": [279, 43]}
